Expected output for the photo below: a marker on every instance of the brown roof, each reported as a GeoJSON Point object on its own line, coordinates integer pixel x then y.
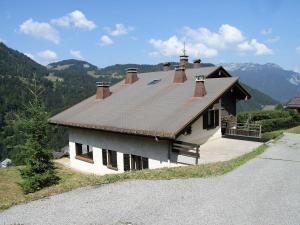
{"type": "Point", "coordinates": [294, 103]}
{"type": "Point", "coordinates": [162, 109]}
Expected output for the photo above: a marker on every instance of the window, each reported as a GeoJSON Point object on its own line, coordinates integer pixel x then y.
{"type": "Point", "coordinates": [154, 82]}
{"type": "Point", "coordinates": [134, 162]}
{"type": "Point", "coordinates": [109, 159]}
{"type": "Point", "coordinates": [188, 130]}
{"type": "Point", "coordinates": [211, 119]}
{"type": "Point", "coordinates": [84, 152]}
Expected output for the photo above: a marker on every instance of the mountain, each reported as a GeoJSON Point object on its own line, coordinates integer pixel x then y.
{"type": "Point", "coordinates": [116, 72]}
{"type": "Point", "coordinates": [268, 78]}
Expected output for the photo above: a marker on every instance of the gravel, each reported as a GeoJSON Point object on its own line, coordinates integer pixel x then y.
{"type": "Point", "coordinates": [263, 191]}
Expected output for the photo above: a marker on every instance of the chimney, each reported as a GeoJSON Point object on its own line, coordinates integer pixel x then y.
{"type": "Point", "coordinates": [184, 60]}
{"type": "Point", "coordinates": [180, 76]}
{"type": "Point", "coordinates": [102, 90]}
{"type": "Point", "coordinates": [131, 76]}
{"type": "Point", "coordinates": [167, 66]}
{"type": "Point", "coordinates": [200, 90]}
{"type": "Point", "coordinates": [197, 63]}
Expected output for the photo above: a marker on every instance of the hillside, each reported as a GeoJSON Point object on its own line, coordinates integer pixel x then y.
{"type": "Point", "coordinates": [268, 78]}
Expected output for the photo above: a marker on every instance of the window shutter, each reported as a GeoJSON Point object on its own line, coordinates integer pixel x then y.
{"type": "Point", "coordinates": [126, 162]}
{"type": "Point", "coordinates": [205, 119]}
{"type": "Point", "coordinates": [217, 118]}
{"type": "Point", "coordinates": [145, 163]}
{"type": "Point", "coordinates": [104, 157]}
{"type": "Point", "coordinates": [78, 149]}
{"type": "Point", "coordinates": [114, 162]}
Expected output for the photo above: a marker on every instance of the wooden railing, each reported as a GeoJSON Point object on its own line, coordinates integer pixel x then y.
{"type": "Point", "coordinates": [245, 130]}
{"type": "Point", "coordinates": [186, 149]}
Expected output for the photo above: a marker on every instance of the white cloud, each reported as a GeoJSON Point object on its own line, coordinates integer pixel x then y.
{"type": "Point", "coordinates": [76, 19]}
{"type": "Point", "coordinates": [43, 57]}
{"type": "Point", "coordinates": [76, 54]}
{"type": "Point", "coordinates": [173, 46]}
{"type": "Point", "coordinates": [206, 43]}
{"type": "Point", "coordinates": [40, 30]}
{"type": "Point", "coordinates": [47, 55]}
{"type": "Point", "coordinates": [273, 39]}
{"type": "Point", "coordinates": [266, 31]}
{"type": "Point", "coordinates": [226, 35]}
{"type": "Point", "coordinates": [105, 40]}
{"type": "Point", "coordinates": [120, 29]}
{"type": "Point", "coordinates": [298, 50]}
{"type": "Point", "coordinates": [29, 55]}
{"type": "Point", "coordinates": [255, 46]}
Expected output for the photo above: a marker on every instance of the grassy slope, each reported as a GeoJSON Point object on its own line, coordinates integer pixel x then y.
{"type": "Point", "coordinates": [11, 194]}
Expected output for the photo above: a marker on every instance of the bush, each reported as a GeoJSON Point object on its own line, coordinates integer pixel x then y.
{"type": "Point", "coordinates": [262, 115]}
{"type": "Point", "coordinates": [276, 124]}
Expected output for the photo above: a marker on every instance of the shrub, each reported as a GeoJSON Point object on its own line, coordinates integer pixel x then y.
{"type": "Point", "coordinates": [276, 124]}
{"type": "Point", "coordinates": [262, 115]}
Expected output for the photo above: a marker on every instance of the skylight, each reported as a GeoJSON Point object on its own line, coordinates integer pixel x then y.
{"type": "Point", "coordinates": [154, 82]}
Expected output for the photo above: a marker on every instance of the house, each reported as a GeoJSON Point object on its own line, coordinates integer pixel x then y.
{"type": "Point", "coordinates": [151, 120]}
{"type": "Point", "coordinates": [295, 103]}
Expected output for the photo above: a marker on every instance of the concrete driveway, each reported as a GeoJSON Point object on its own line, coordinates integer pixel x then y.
{"type": "Point", "coordinates": [223, 149]}
{"type": "Point", "coordinates": [264, 191]}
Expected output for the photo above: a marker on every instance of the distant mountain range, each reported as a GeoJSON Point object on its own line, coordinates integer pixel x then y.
{"type": "Point", "coordinates": [269, 78]}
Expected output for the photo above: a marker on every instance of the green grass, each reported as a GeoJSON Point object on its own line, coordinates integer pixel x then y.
{"type": "Point", "coordinates": [11, 194]}
{"type": "Point", "coordinates": [295, 130]}
{"type": "Point", "coordinates": [279, 133]}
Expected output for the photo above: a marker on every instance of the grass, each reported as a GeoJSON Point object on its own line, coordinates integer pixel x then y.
{"type": "Point", "coordinates": [11, 194]}
{"type": "Point", "coordinates": [279, 133]}
{"type": "Point", "coordinates": [295, 130]}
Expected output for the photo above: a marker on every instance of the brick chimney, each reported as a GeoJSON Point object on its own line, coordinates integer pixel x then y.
{"type": "Point", "coordinates": [167, 66]}
{"type": "Point", "coordinates": [102, 90]}
{"type": "Point", "coordinates": [131, 76]}
{"type": "Point", "coordinates": [184, 60]}
{"type": "Point", "coordinates": [197, 63]}
{"type": "Point", "coordinates": [200, 90]}
{"type": "Point", "coordinates": [179, 76]}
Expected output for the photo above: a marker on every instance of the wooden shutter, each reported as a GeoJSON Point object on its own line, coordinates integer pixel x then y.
{"type": "Point", "coordinates": [78, 149]}
{"type": "Point", "coordinates": [217, 122]}
{"type": "Point", "coordinates": [126, 159]}
{"type": "Point", "coordinates": [113, 158]}
{"type": "Point", "coordinates": [104, 157]}
{"type": "Point", "coordinates": [145, 163]}
{"type": "Point", "coordinates": [205, 119]}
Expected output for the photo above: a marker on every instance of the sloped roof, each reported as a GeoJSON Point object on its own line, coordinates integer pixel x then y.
{"type": "Point", "coordinates": [294, 103]}
{"type": "Point", "coordinates": [162, 109]}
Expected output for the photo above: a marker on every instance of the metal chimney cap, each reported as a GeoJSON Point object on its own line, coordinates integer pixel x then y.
{"type": "Point", "coordinates": [200, 78]}
{"type": "Point", "coordinates": [167, 64]}
{"type": "Point", "coordinates": [197, 61]}
{"type": "Point", "coordinates": [131, 70]}
{"type": "Point", "coordinates": [102, 84]}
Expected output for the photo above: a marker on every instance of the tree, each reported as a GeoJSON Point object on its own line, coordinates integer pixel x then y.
{"type": "Point", "coordinates": [39, 170]}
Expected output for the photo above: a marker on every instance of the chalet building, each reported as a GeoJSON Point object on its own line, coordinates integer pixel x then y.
{"type": "Point", "coordinates": [151, 120]}
{"type": "Point", "coordinates": [295, 103]}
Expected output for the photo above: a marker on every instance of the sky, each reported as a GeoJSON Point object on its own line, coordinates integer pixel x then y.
{"type": "Point", "coordinates": [116, 32]}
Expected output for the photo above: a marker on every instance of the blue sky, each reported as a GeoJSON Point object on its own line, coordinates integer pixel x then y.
{"type": "Point", "coordinates": [110, 32]}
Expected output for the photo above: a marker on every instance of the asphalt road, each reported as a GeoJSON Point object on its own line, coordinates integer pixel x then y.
{"type": "Point", "coordinates": [265, 191]}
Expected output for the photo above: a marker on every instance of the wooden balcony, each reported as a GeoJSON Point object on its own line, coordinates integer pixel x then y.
{"type": "Point", "coordinates": [185, 152]}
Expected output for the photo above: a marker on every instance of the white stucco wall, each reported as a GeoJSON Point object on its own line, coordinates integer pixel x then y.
{"type": "Point", "coordinates": [156, 152]}
{"type": "Point", "coordinates": [199, 135]}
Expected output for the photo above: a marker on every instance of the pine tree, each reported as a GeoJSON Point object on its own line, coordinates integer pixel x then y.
{"type": "Point", "coordinates": [39, 170]}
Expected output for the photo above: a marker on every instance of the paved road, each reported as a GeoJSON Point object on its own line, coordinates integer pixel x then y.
{"type": "Point", "coordinates": [266, 191]}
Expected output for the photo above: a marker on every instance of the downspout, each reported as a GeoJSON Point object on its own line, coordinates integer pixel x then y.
{"type": "Point", "coordinates": [169, 152]}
